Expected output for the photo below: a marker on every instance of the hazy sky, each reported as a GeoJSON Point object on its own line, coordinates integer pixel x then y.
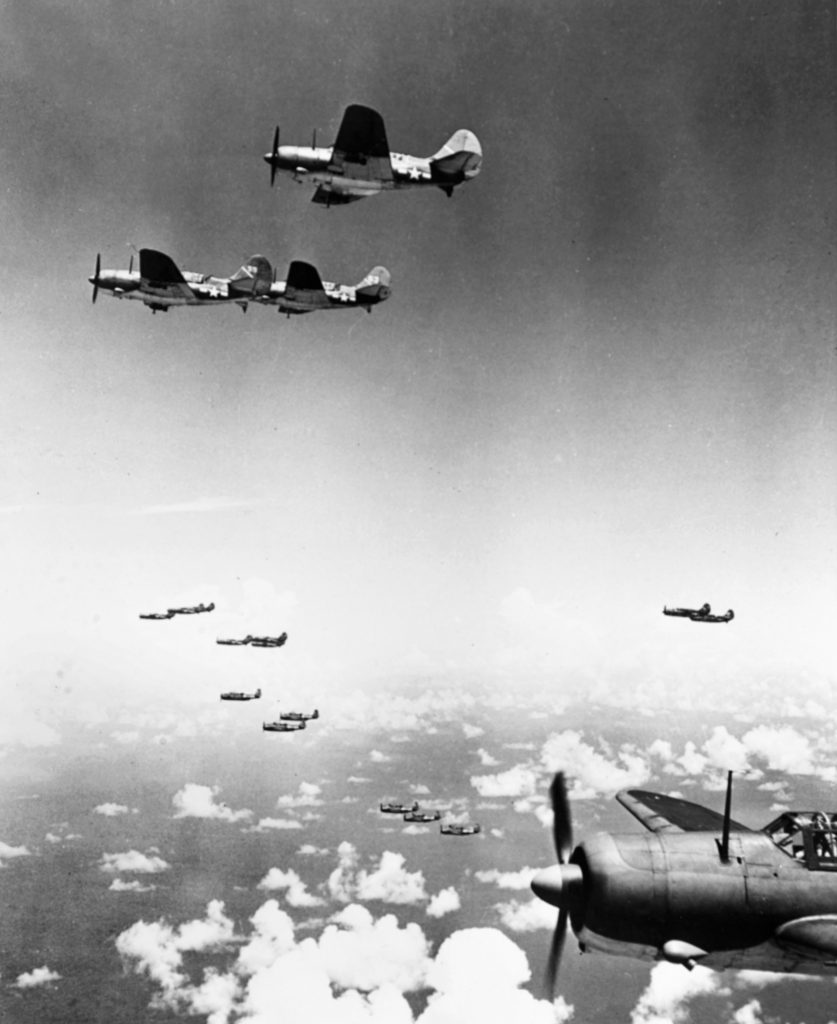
{"type": "Point", "coordinates": [605, 379]}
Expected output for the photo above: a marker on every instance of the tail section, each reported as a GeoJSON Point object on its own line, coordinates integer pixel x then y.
{"type": "Point", "coordinates": [316, 714]}
{"type": "Point", "coordinates": [460, 159]}
{"type": "Point", "coordinates": [258, 694]}
{"type": "Point", "coordinates": [374, 287]}
{"type": "Point", "coordinates": [253, 279]}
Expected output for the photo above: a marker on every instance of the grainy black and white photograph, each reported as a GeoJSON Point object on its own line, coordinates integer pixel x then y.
{"type": "Point", "coordinates": [440, 627]}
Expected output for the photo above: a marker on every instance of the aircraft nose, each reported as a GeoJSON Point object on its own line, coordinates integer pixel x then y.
{"type": "Point", "coordinates": [554, 885]}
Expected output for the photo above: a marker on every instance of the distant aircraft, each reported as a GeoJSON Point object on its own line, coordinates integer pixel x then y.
{"type": "Point", "coordinates": [422, 815]}
{"type": "Point", "coordinates": [193, 609]}
{"type": "Point", "coordinates": [688, 613]}
{"type": "Point", "coordinates": [728, 617]}
{"type": "Point", "coordinates": [234, 643]}
{"type": "Point", "coordinates": [282, 726]}
{"type": "Point", "coordinates": [159, 283]}
{"type": "Point", "coordinates": [360, 163]}
{"type": "Point", "coordinates": [393, 808]}
{"type": "Point", "coordinates": [304, 291]}
{"type": "Point", "coordinates": [298, 716]}
{"type": "Point", "coordinates": [702, 889]}
{"type": "Point", "coordinates": [157, 615]}
{"type": "Point", "coordinates": [460, 830]}
{"type": "Point", "coordinates": [268, 641]}
{"type": "Point", "coordinates": [232, 695]}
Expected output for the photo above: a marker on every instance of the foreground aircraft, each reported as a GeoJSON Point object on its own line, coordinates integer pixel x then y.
{"type": "Point", "coordinates": [460, 830]}
{"type": "Point", "coordinates": [360, 163]}
{"type": "Point", "coordinates": [157, 615]}
{"type": "Point", "coordinates": [727, 617]}
{"type": "Point", "coordinates": [688, 613]}
{"type": "Point", "coordinates": [304, 291]}
{"type": "Point", "coordinates": [193, 609]}
{"type": "Point", "coordinates": [422, 815]}
{"type": "Point", "coordinates": [700, 888]}
{"type": "Point", "coordinates": [233, 695]}
{"type": "Point", "coordinates": [282, 726]}
{"type": "Point", "coordinates": [393, 808]}
{"type": "Point", "coordinates": [298, 716]}
{"type": "Point", "coordinates": [268, 641]}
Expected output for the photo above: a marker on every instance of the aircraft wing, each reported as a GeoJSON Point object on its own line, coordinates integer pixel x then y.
{"type": "Point", "coordinates": [160, 272]}
{"type": "Point", "coordinates": [660, 813]}
{"type": "Point", "coordinates": [814, 937]}
{"type": "Point", "coordinates": [361, 149]}
{"type": "Point", "coordinates": [304, 284]}
{"type": "Point", "coordinates": [326, 197]}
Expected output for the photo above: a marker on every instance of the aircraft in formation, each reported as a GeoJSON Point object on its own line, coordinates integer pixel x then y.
{"type": "Point", "coordinates": [254, 641]}
{"type": "Point", "coordinates": [701, 889]}
{"type": "Point", "coordinates": [299, 716]}
{"type": "Point", "coordinates": [394, 808]}
{"type": "Point", "coordinates": [360, 162]}
{"type": "Point", "coordinates": [233, 695]}
{"type": "Point", "coordinates": [422, 816]}
{"type": "Point", "coordinates": [702, 614]}
{"type": "Point", "coordinates": [160, 284]}
{"type": "Point", "coordinates": [170, 613]}
{"type": "Point", "coordinates": [460, 830]}
{"type": "Point", "coordinates": [281, 726]}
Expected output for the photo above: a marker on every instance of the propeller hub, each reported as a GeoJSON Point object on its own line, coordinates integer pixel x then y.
{"type": "Point", "coordinates": [557, 885]}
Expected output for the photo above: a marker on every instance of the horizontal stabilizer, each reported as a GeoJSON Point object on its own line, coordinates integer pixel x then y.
{"type": "Point", "coordinates": [157, 267]}
{"type": "Point", "coordinates": [661, 813]}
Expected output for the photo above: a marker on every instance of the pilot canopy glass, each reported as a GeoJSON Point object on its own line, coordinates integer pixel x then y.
{"type": "Point", "coordinates": [808, 836]}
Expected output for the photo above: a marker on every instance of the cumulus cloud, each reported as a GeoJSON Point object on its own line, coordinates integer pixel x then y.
{"type": "Point", "coordinates": [783, 749]}
{"type": "Point", "coordinates": [378, 757]}
{"type": "Point", "coordinates": [38, 976]}
{"type": "Point", "coordinates": [517, 781]}
{"type": "Point", "coordinates": [669, 990]}
{"type": "Point", "coordinates": [591, 772]}
{"type": "Point", "coordinates": [507, 879]}
{"type": "Point", "coordinates": [444, 902]}
{"type": "Point", "coordinates": [296, 894]}
{"type": "Point", "coordinates": [195, 801]}
{"type": "Point", "coordinates": [526, 917]}
{"type": "Point", "coordinates": [389, 881]}
{"type": "Point", "coordinates": [133, 862]}
{"type": "Point", "coordinates": [471, 731]}
{"type": "Point", "coordinates": [111, 810]}
{"type": "Point", "coordinates": [10, 852]}
{"type": "Point", "coordinates": [117, 885]}
{"type": "Point", "coordinates": [356, 972]}
{"type": "Point", "coordinates": [307, 796]}
{"type": "Point", "coordinates": [309, 850]}
{"type": "Point", "coordinates": [274, 823]}
{"type": "Point", "coordinates": [486, 760]}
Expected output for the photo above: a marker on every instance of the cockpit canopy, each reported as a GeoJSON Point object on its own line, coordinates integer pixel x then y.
{"type": "Point", "coordinates": [809, 836]}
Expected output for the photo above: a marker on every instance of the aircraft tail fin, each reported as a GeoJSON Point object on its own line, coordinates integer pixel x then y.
{"type": "Point", "coordinates": [316, 714]}
{"type": "Point", "coordinates": [258, 693]}
{"type": "Point", "coordinates": [254, 278]}
{"type": "Point", "coordinates": [159, 268]}
{"type": "Point", "coordinates": [458, 160]}
{"type": "Point", "coordinates": [302, 280]}
{"type": "Point", "coordinates": [374, 287]}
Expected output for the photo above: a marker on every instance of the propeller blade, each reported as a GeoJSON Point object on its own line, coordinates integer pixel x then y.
{"type": "Point", "coordinates": [274, 156]}
{"type": "Point", "coordinates": [96, 275]}
{"type": "Point", "coordinates": [555, 952]}
{"type": "Point", "coordinates": [562, 828]}
{"type": "Point", "coordinates": [131, 264]}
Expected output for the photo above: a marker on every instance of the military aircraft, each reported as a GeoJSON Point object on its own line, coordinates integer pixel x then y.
{"type": "Point", "coordinates": [282, 726]}
{"type": "Point", "coordinates": [268, 641]}
{"type": "Point", "coordinates": [193, 609]}
{"type": "Point", "coordinates": [422, 815]}
{"type": "Point", "coordinates": [701, 888]}
{"type": "Point", "coordinates": [304, 291]}
{"type": "Point", "coordinates": [360, 163]}
{"type": "Point", "coordinates": [393, 808]}
{"type": "Point", "coordinates": [460, 830]}
{"type": "Point", "coordinates": [157, 615]}
{"type": "Point", "coordinates": [727, 617]}
{"type": "Point", "coordinates": [687, 613]}
{"type": "Point", "coordinates": [298, 716]}
{"type": "Point", "coordinates": [233, 642]}
{"type": "Point", "coordinates": [233, 695]}
{"type": "Point", "coordinates": [160, 284]}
